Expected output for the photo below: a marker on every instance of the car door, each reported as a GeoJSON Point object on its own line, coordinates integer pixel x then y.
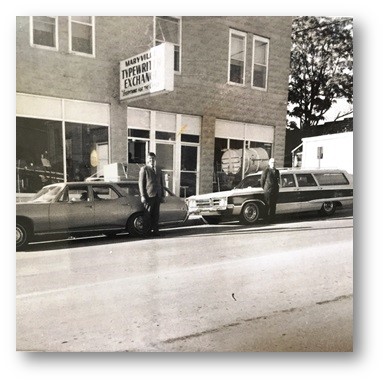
{"type": "Point", "coordinates": [74, 211]}
{"type": "Point", "coordinates": [288, 200]}
{"type": "Point", "coordinates": [308, 191]}
{"type": "Point", "coordinates": [111, 208]}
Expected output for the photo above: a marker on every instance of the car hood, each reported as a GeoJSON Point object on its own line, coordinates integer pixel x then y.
{"type": "Point", "coordinates": [227, 193]}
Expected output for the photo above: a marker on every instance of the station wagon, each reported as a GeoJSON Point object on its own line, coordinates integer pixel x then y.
{"type": "Point", "coordinates": [300, 190]}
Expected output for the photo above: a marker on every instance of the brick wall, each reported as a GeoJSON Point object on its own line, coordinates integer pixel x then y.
{"type": "Point", "coordinates": [201, 88]}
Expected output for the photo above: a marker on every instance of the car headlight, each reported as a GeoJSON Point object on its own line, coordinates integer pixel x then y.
{"type": "Point", "coordinates": [192, 203]}
{"type": "Point", "coordinates": [223, 202]}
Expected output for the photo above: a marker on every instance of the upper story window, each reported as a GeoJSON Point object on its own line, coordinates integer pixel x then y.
{"type": "Point", "coordinates": [168, 29]}
{"type": "Point", "coordinates": [236, 64]}
{"type": "Point", "coordinates": [260, 62]}
{"type": "Point", "coordinates": [44, 32]}
{"type": "Point", "coordinates": [82, 35]}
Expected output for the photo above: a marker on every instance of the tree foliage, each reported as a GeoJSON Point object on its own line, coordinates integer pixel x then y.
{"type": "Point", "coordinates": [321, 68]}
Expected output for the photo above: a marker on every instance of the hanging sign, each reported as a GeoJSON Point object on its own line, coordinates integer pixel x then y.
{"type": "Point", "coordinates": [147, 73]}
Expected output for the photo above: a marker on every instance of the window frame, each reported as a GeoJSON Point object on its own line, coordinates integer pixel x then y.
{"type": "Point", "coordinates": [56, 36]}
{"type": "Point", "coordinates": [179, 18]}
{"type": "Point", "coordinates": [243, 35]}
{"type": "Point", "coordinates": [70, 48]}
{"type": "Point", "coordinates": [264, 40]}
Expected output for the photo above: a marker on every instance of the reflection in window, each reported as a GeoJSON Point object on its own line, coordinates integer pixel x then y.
{"type": "Point", "coordinates": [44, 31]}
{"type": "Point", "coordinates": [82, 140]}
{"type": "Point", "coordinates": [168, 29]}
{"type": "Point", "coordinates": [39, 154]}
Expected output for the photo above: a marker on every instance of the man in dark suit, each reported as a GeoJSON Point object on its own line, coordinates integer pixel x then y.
{"type": "Point", "coordinates": [270, 182]}
{"type": "Point", "coordinates": [151, 192]}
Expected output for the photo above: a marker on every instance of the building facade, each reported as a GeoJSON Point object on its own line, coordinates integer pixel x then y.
{"type": "Point", "coordinates": [230, 92]}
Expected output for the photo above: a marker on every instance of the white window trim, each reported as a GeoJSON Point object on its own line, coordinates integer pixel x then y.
{"type": "Point", "coordinates": [264, 40]}
{"type": "Point", "coordinates": [243, 34]}
{"type": "Point", "coordinates": [93, 54]}
{"type": "Point", "coordinates": [56, 47]}
{"type": "Point", "coordinates": [180, 38]}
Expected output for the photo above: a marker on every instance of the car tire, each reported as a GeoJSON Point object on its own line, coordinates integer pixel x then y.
{"type": "Point", "coordinates": [211, 220]}
{"type": "Point", "coordinates": [328, 208]}
{"type": "Point", "coordinates": [250, 213]}
{"type": "Point", "coordinates": [22, 235]}
{"type": "Point", "coordinates": [136, 226]}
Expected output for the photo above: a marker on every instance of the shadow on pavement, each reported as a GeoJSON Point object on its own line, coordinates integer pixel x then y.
{"type": "Point", "coordinates": [197, 227]}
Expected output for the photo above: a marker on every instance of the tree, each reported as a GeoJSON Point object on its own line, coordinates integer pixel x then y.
{"type": "Point", "coordinates": [321, 68]}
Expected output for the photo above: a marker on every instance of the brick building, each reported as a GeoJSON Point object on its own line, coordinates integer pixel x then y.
{"type": "Point", "coordinates": [230, 92]}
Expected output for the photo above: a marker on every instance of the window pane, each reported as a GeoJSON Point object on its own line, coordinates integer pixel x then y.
{"type": "Point", "coordinates": [236, 73]}
{"type": "Point", "coordinates": [259, 76]}
{"type": "Point", "coordinates": [167, 29]}
{"type": "Point", "coordinates": [287, 181]}
{"type": "Point", "coordinates": [81, 38]}
{"type": "Point", "coordinates": [260, 52]}
{"type": "Point", "coordinates": [39, 154]}
{"type": "Point", "coordinates": [251, 181]}
{"type": "Point", "coordinates": [331, 179]}
{"type": "Point", "coordinates": [189, 158]}
{"type": "Point", "coordinates": [76, 194]}
{"type": "Point", "coordinates": [237, 48]}
{"type": "Point", "coordinates": [44, 31]}
{"type": "Point", "coordinates": [165, 136]}
{"type": "Point", "coordinates": [187, 184]}
{"type": "Point", "coordinates": [304, 180]}
{"type": "Point", "coordinates": [103, 193]}
{"type": "Point", "coordinates": [138, 133]}
{"type": "Point", "coordinates": [82, 141]}
{"type": "Point", "coordinates": [137, 151]}
{"type": "Point", "coordinates": [190, 138]}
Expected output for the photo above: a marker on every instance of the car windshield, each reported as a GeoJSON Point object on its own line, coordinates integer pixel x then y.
{"type": "Point", "coordinates": [46, 194]}
{"type": "Point", "coordinates": [249, 182]}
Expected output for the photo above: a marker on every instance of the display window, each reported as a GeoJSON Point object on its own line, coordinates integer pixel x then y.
{"type": "Point", "coordinates": [54, 151]}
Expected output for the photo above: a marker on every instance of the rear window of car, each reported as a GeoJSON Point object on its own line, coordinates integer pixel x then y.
{"type": "Point", "coordinates": [325, 179]}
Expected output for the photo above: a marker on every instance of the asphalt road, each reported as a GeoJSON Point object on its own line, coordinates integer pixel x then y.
{"type": "Point", "coordinates": [227, 287]}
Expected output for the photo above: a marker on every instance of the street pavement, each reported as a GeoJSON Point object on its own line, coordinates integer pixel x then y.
{"type": "Point", "coordinates": [199, 288]}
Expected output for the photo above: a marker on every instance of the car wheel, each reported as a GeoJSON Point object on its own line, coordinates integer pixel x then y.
{"type": "Point", "coordinates": [22, 236]}
{"type": "Point", "coordinates": [211, 220]}
{"type": "Point", "coordinates": [328, 208]}
{"type": "Point", "coordinates": [136, 225]}
{"type": "Point", "coordinates": [250, 213]}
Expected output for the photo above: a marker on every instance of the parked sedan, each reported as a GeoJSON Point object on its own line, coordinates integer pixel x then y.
{"type": "Point", "coordinates": [81, 208]}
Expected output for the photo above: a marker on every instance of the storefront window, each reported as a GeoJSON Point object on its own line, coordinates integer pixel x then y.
{"type": "Point", "coordinates": [85, 146]}
{"type": "Point", "coordinates": [39, 154]}
{"type": "Point", "coordinates": [228, 176]}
